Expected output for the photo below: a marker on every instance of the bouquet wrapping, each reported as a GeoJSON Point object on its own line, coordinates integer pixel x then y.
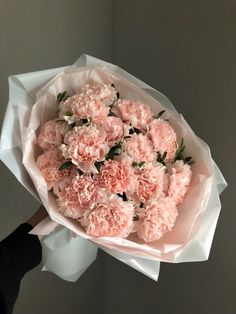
{"type": "Point", "coordinates": [68, 249]}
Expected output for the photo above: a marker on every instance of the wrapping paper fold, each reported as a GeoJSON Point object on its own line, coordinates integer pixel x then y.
{"type": "Point", "coordinates": [32, 102]}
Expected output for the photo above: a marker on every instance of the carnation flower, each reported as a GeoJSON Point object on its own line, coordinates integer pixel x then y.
{"type": "Point", "coordinates": [116, 176]}
{"type": "Point", "coordinates": [156, 218]}
{"type": "Point", "coordinates": [66, 181]}
{"type": "Point", "coordinates": [52, 133]}
{"type": "Point", "coordinates": [65, 107]}
{"type": "Point", "coordinates": [130, 139]}
{"type": "Point", "coordinates": [179, 179]}
{"type": "Point", "coordinates": [163, 137]}
{"type": "Point", "coordinates": [49, 163]}
{"type": "Point", "coordinates": [114, 128]}
{"type": "Point", "coordinates": [79, 196]}
{"type": "Point", "coordinates": [68, 135]}
{"type": "Point", "coordinates": [86, 189]}
{"type": "Point", "coordinates": [140, 148]}
{"type": "Point", "coordinates": [134, 112]}
{"type": "Point", "coordinates": [107, 94]}
{"type": "Point", "coordinates": [93, 109]}
{"type": "Point", "coordinates": [111, 218]}
{"type": "Point", "coordinates": [87, 144]}
{"type": "Point", "coordinates": [91, 101]}
{"type": "Point", "coordinates": [151, 180]}
{"type": "Point", "coordinates": [68, 203]}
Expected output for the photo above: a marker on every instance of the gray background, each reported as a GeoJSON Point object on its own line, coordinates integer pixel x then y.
{"type": "Point", "coordinates": [186, 49]}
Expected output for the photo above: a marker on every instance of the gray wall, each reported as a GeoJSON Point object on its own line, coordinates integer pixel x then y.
{"type": "Point", "coordinates": [35, 35]}
{"type": "Point", "coordinates": [186, 49]}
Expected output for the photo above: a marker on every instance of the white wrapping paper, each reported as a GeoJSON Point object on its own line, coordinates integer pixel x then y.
{"type": "Point", "coordinates": [68, 256]}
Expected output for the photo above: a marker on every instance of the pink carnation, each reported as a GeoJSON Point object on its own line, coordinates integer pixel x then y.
{"type": "Point", "coordinates": [86, 189]}
{"type": "Point", "coordinates": [65, 107]}
{"type": "Point", "coordinates": [93, 109]}
{"type": "Point", "coordinates": [113, 218]}
{"type": "Point", "coordinates": [52, 134]}
{"type": "Point", "coordinates": [91, 101]}
{"type": "Point", "coordinates": [114, 128]}
{"type": "Point", "coordinates": [134, 112]}
{"type": "Point", "coordinates": [163, 137]}
{"type": "Point", "coordinates": [68, 203]}
{"type": "Point", "coordinates": [151, 182]}
{"type": "Point", "coordinates": [66, 181]}
{"type": "Point", "coordinates": [71, 102]}
{"type": "Point", "coordinates": [140, 148]}
{"type": "Point", "coordinates": [116, 176]}
{"type": "Point", "coordinates": [106, 93]}
{"type": "Point", "coordinates": [156, 219]}
{"type": "Point", "coordinates": [49, 163]}
{"type": "Point", "coordinates": [78, 196]}
{"type": "Point", "coordinates": [87, 144]}
{"type": "Point", "coordinates": [67, 136]}
{"type": "Point", "coordinates": [179, 181]}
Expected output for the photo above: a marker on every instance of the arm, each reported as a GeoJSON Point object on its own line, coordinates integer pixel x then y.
{"type": "Point", "coordinates": [19, 253]}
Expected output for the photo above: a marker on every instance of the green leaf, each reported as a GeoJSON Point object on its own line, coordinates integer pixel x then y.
{"type": "Point", "coordinates": [72, 125]}
{"type": "Point", "coordinates": [161, 158]}
{"type": "Point", "coordinates": [62, 96]}
{"type": "Point", "coordinates": [158, 116]}
{"type": "Point", "coordinates": [179, 151]}
{"type": "Point", "coordinates": [182, 149]}
{"type": "Point", "coordinates": [137, 131]}
{"type": "Point", "coordinates": [187, 159]}
{"type": "Point", "coordinates": [164, 156]}
{"type": "Point", "coordinates": [114, 150]}
{"type": "Point", "coordinates": [80, 172]}
{"type": "Point", "coordinates": [123, 196]}
{"type": "Point", "coordinates": [158, 157]}
{"type": "Point", "coordinates": [179, 154]}
{"type": "Point", "coordinates": [141, 163]}
{"type": "Point", "coordinates": [180, 146]}
{"type": "Point", "coordinates": [68, 113]}
{"type": "Point", "coordinates": [65, 165]}
{"type": "Point", "coordinates": [85, 121]}
{"type": "Point", "coordinates": [98, 164]}
{"type": "Point", "coordinates": [112, 114]}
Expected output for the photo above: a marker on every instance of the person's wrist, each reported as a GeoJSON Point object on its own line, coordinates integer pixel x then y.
{"type": "Point", "coordinates": [38, 216]}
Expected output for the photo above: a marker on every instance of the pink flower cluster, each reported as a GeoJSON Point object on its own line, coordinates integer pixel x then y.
{"type": "Point", "coordinates": [113, 165]}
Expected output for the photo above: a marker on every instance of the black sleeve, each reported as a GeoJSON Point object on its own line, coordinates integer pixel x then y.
{"type": "Point", "coordinates": [19, 253]}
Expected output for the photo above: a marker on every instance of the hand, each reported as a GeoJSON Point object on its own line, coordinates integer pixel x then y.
{"type": "Point", "coordinates": [40, 214]}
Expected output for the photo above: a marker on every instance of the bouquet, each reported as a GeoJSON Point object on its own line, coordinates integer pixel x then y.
{"type": "Point", "coordinates": [114, 166]}
{"type": "Point", "coordinates": [113, 162]}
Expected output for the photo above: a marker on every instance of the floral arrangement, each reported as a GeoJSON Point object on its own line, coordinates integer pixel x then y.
{"type": "Point", "coordinates": [109, 160]}
{"type": "Point", "coordinates": [114, 165]}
